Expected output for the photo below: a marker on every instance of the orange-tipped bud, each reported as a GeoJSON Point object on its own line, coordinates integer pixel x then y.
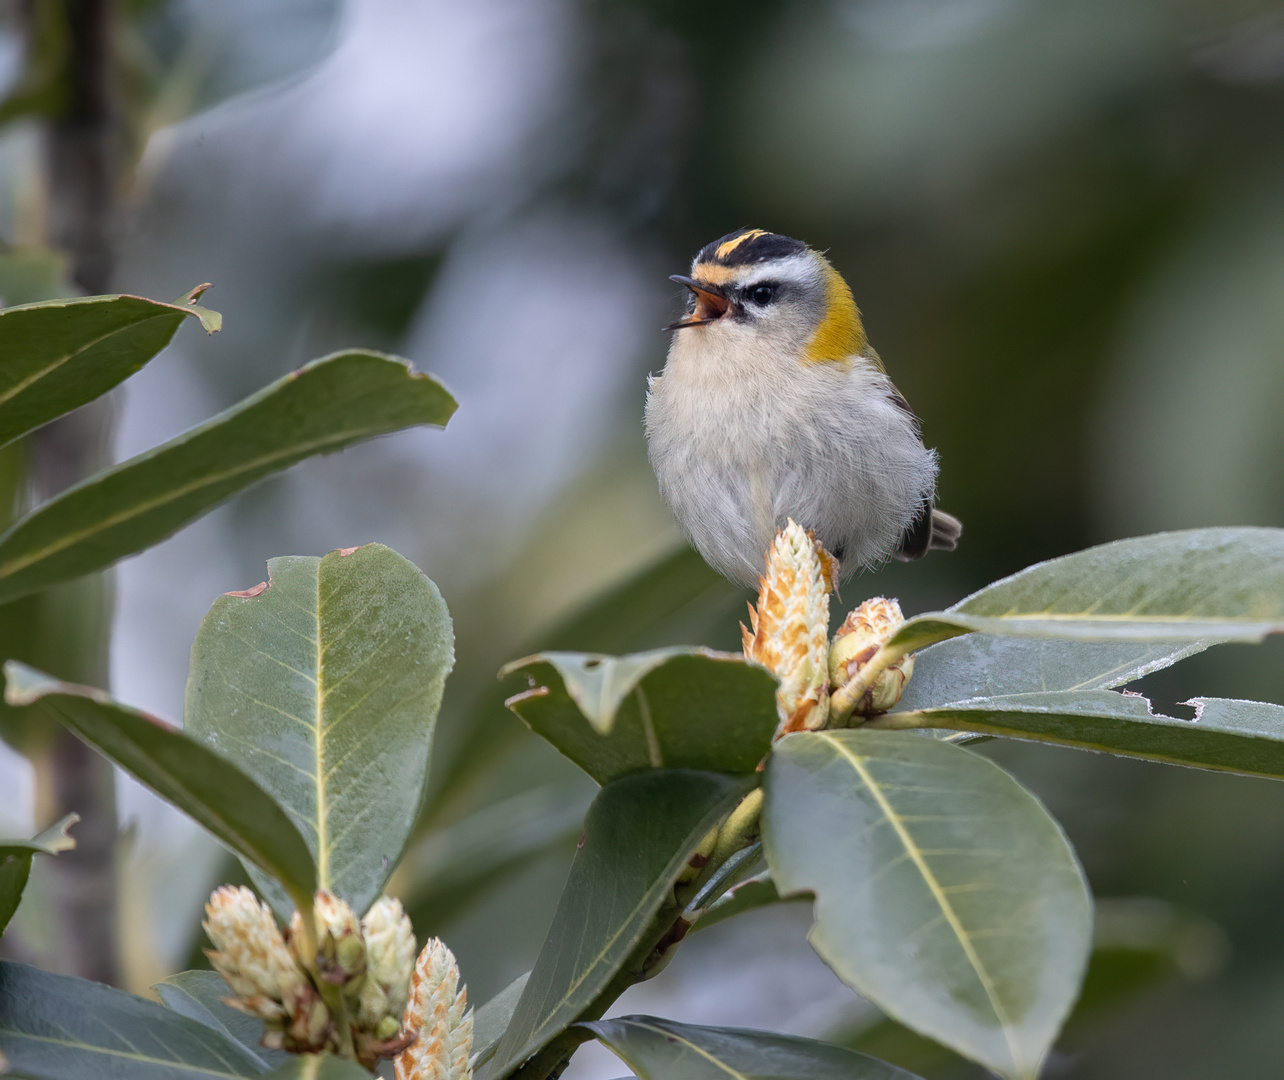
{"type": "Point", "coordinates": [438, 1011]}
{"type": "Point", "coordinates": [790, 628]}
{"type": "Point", "coordinates": [858, 640]}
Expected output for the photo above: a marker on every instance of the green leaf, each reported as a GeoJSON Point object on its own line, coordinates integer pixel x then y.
{"type": "Point", "coordinates": [945, 893]}
{"type": "Point", "coordinates": [55, 1027]}
{"type": "Point", "coordinates": [15, 862]}
{"type": "Point", "coordinates": [986, 665]}
{"type": "Point", "coordinates": [1199, 585]}
{"type": "Point", "coordinates": [318, 1067]}
{"type": "Point", "coordinates": [212, 790]}
{"type": "Point", "coordinates": [1226, 735]}
{"type": "Point", "coordinates": [673, 708]}
{"type": "Point", "coordinates": [638, 835]}
{"type": "Point", "coordinates": [326, 405]}
{"type": "Point", "coordinates": [199, 995]}
{"type": "Point", "coordinates": [60, 354]}
{"type": "Point", "coordinates": [324, 687]}
{"type": "Point", "coordinates": [663, 1050]}
{"type": "Point", "coordinates": [1139, 943]}
{"type": "Point", "coordinates": [491, 1020]}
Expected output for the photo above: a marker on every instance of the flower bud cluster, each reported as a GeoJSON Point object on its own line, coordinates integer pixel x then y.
{"type": "Point", "coordinates": [821, 685]}
{"type": "Point", "coordinates": [341, 984]}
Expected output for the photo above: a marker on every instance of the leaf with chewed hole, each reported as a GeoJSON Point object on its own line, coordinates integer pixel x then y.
{"type": "Point", "coordinates": [1226, 735]}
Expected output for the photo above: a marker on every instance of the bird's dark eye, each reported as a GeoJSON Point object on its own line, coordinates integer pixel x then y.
{"type": "Point", "coordinates": [762, 294]}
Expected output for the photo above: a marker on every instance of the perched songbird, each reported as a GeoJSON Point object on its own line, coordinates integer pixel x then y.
{"type": "Point", "coordinates": [772, 405]}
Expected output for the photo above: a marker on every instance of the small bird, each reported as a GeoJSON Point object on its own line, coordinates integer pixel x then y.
{"type": "Point", "coordinates": [772, 405]}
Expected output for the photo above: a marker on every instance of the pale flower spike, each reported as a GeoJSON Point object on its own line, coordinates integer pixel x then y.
{"type": "Point", "coordinates": [438, 1011]}
{"type": "Point", "coordinates": [790, 635]}
{"type": "Point", "coordinates": [253, 959]}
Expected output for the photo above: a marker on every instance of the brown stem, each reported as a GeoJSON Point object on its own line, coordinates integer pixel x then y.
{"type": "Point", "coordinates": [81, 146]}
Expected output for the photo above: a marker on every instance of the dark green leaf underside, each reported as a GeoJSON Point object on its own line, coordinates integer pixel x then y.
{"type": "Point", "coordinates": [55, 1027]}
{"type": "Point", "coordinates": [663, 1050]}
{"type": "Point", "coordinates": [674, 708]}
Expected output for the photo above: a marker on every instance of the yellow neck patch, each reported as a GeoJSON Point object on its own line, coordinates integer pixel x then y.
{"type": "Point", "coordinates": [840, 334]}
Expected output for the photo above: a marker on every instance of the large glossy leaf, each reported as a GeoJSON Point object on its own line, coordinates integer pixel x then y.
{"type": "Point", "coordinates": [324, 406]}
{"type": "Point", "coordinates": [1201, 585]}
{"type": "Point", "coordinates": [177, 767]}
{"type": "Point", "coordinates": [55, 1027]}
{"type": "Point", "coordinates": [663, 1050]}
{"type": "Point", "coordinates": [15, 862]}
{"type": "Point", "coordinates": [1226, 735]}
{"type": "Point", "coordinates": [945, 893]}
{"type": "Point", "coordinates": [199, 996]}
{"type": "Point", "coordinates": [986, 665]}
{"type": "Point", "coordinates": [324, 686]}
{"type": "Point", "coordinates": [673, 708]}
{"type": "Point", "coordinates": [1139, 943]}
{"type": "Point", "coordinates": [59, 354]}
{"type": "Point", "coordinates": [638, 834]}
{"type": "Point", "coordinates": [491, 1020]}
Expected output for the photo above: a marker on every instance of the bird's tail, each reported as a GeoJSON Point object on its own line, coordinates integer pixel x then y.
{"type": "Point", "coordinates": [931, 530]}
{"type": "Point", "coordinates": [946, 530]}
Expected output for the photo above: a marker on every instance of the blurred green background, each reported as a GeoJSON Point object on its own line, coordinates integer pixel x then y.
{"type": "Point", "coordinates": [1064, 223]}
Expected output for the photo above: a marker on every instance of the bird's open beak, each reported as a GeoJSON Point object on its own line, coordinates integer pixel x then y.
{"type": "Point", "coordinates": [711, 303]}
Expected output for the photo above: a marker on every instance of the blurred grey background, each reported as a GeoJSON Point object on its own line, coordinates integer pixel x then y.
{"type": "Point", "coordinates": [1064, 223]}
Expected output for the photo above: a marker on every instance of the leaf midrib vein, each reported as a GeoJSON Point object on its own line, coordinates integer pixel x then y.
{"type": "Point", "coordinates": [305, 449]}
{"type": "Point", "coordinates": [79, 1044]}
{"type": "Point", "coordinates": [669, 1036]}
{"type": "Point", "coordinates": [929, 878]}
{"type": "Point", "coordinates": [8, 395]}
{"type": "Point", "coordinates": [323, 838]}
